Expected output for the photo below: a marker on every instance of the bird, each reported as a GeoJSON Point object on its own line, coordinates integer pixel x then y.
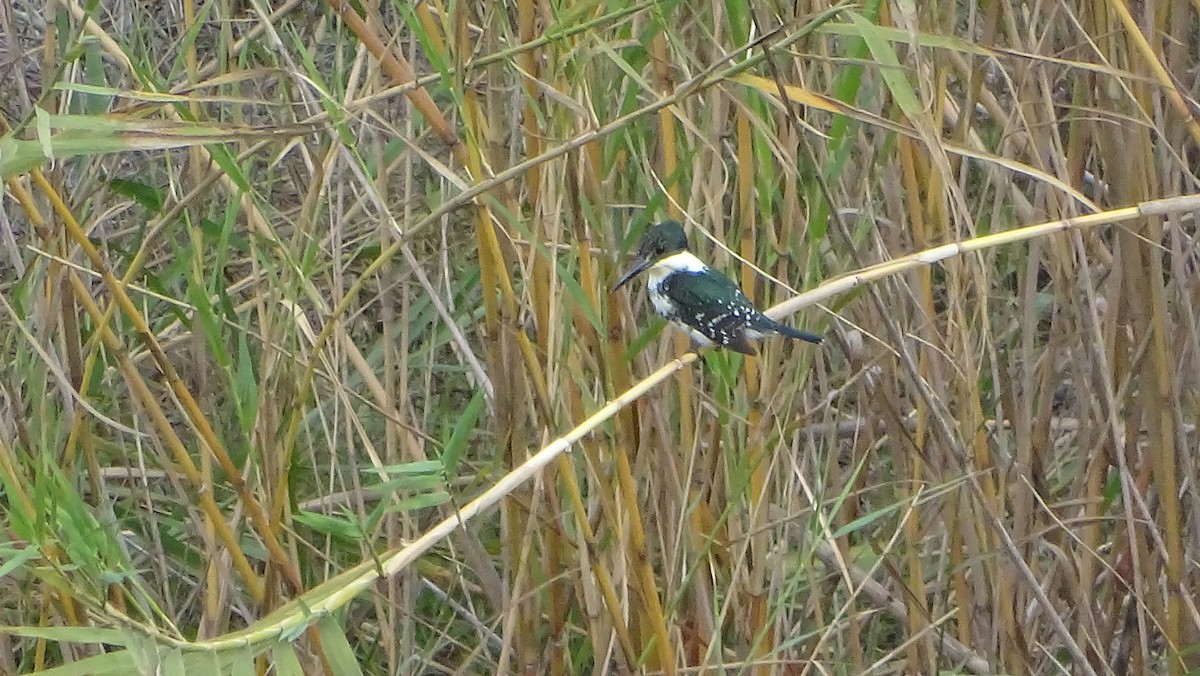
{"type": "Point", "coordinates": [710, 306]}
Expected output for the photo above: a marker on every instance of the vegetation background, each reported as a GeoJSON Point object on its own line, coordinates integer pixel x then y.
{"type": "Point", "coordinates": [303, 304]}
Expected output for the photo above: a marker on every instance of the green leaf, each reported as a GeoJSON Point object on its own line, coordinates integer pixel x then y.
{"type": "Point", "coordinates": [224, 238]}
{"type": "Point", "coordinates": [171, 663]}
{"type": "Point", "coordinates": [922, 39]}
{"type": "Point", "coordinates": [242, 662]}
{"type": "Point", "coordinates": [71, 634]}
{"type": "Point", "coordinates": [144, 653]}
{"type": "Point", "coordinates": [844, 129]}
{"type": "Point", "coordinates": [245, 386]}
{"type": "Point", "coordinates": [337, 648]}
{"type": "Point", "coordinates": [16, 557]}
{"type": "Point", "coordinates": [377, 513]}
{"type": "Point", "coordinates": [93, 68]}
{"type": "Point", "coordinates": [228, 163]}
{"type": "Point", "coordinates": [457, 443]}
{"type": "Point", "coordinates": [865, 520]}
{"type": "Point", "coordinates": [646, 337]}
{"type": "Point", "coordinates": [205, 661]}
{"type": "Point", "coordinates": [144, 194]}
{"type": "Point", "coordinates": [577, 294]}
{"type": "Point", "coordinates": [422, 482]}
{"type": "Point", "coordinates": [419, 502]}
{"type": "Point", "coordinates": [205, 317]}
{"type": "Point", "coordinates": [1112, 489]}
{"type": "Point", "coordinates": [890, 68]}
{"type": "Point", "coordinates": [220, 233]}
{"type": "Point", "coordinates": [118, 663]}
{"type": "Point", "coordinates": [418, 467]}
{"type": "Point", "coordinates": [330, 525]}
{"type": "Point", "coordinates": [85, 135]}
{"type": "Point", "coordinates": [42, 125]}
{"type": "Point", "coordinates": [286, 662]}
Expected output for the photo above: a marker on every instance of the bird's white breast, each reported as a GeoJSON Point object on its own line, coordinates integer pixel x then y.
{"type": "Point", "coordinates": [683, 261]}
{"type": "Point", "coordinates": [659, 299]}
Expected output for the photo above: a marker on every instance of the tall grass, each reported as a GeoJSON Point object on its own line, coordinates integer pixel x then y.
{"type": "Point", "coordinates": [313, 363]}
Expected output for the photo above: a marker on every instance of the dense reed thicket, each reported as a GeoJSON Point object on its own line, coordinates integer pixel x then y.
{"type": "Point", "coordinates": [312, 364]}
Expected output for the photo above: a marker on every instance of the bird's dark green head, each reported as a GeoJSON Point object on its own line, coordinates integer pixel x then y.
{"type": "Point", "coordinates": [660, 241]}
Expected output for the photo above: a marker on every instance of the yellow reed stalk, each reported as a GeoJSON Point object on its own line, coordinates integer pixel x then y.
{"type": "Point", "coordinates": [1152, 59]}
{"type": "Point", "coordinates": [612, 601]}
{"type": "Point", "coordinates": [917, 614]}
{"type": "Point", "coordinates": [400, 71]}
{"type": "Point", "coordinates": [182, 459]}
{"type": "Point", "coordinates": [670, 164]}
{"type": "Point", "coordinates": [759, 631]}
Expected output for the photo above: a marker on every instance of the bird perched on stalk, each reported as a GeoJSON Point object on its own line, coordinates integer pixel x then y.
{"type": "Point", "coordinates": [707, 304]}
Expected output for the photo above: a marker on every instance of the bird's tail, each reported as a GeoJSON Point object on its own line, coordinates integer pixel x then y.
{"type": "Point", "coordinates": [785, 330]}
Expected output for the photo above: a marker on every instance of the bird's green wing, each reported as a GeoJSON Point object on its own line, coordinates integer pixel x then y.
{"type": "Point", "coordinates": [720, 306]}
{"type": "Point", "coordinates": [692, 289]}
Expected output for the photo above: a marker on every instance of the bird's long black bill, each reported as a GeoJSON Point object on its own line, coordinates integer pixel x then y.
{"type": "Point", "coordinates": [638, 268]}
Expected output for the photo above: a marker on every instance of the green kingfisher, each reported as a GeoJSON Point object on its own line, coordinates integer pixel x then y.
{"type": "Point", "coordinates": [707, 304]}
